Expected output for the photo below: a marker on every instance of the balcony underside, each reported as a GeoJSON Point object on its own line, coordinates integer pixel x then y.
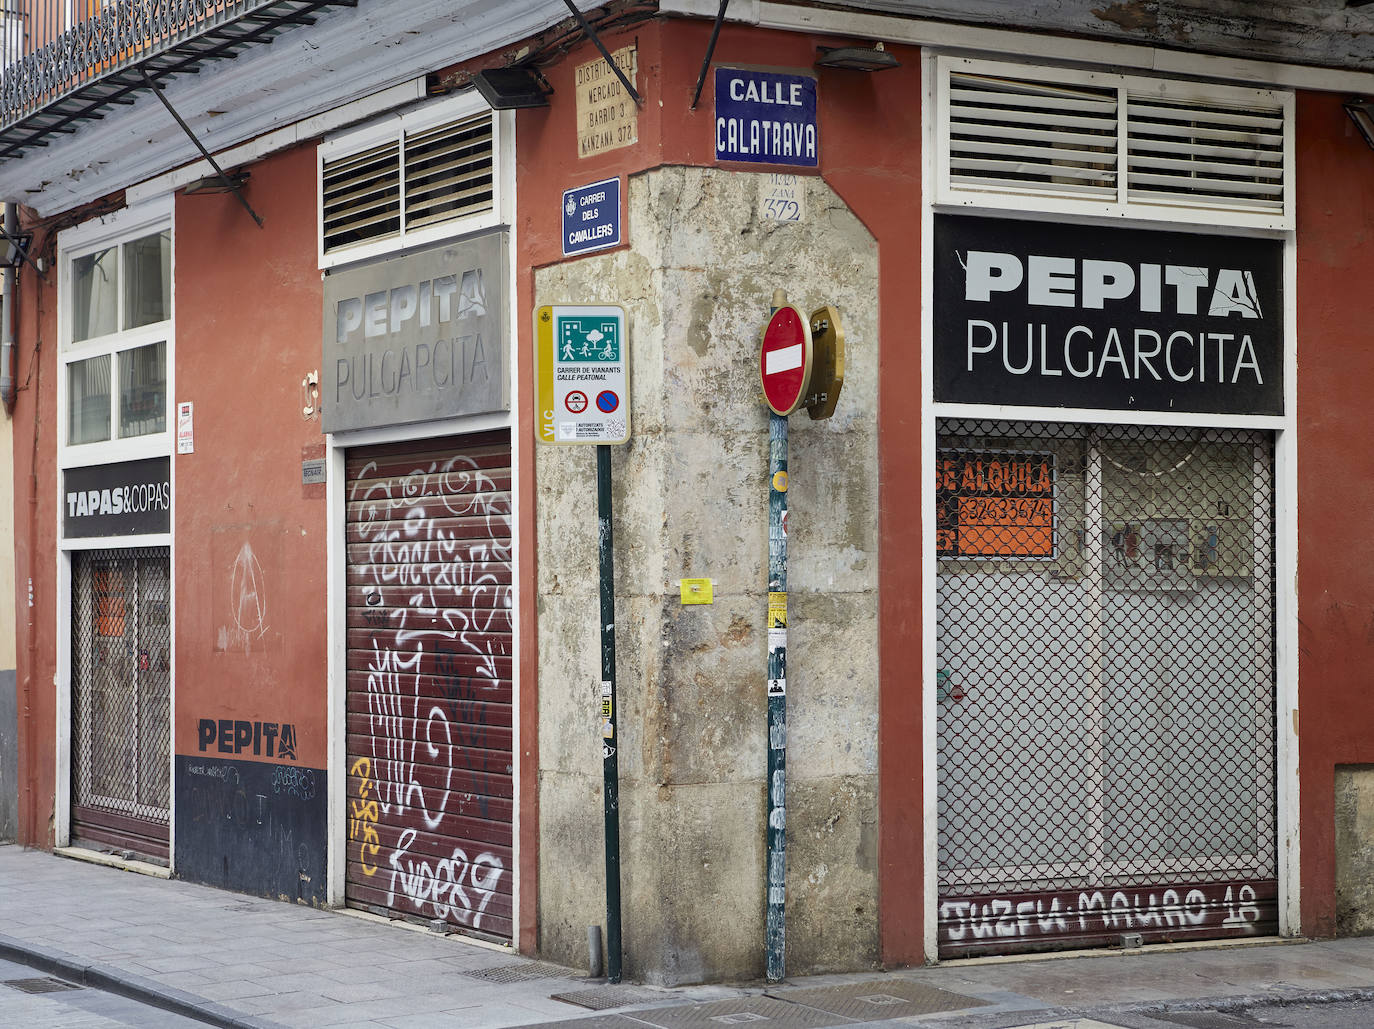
{"type": "Point", "coordinates": [97, 66]}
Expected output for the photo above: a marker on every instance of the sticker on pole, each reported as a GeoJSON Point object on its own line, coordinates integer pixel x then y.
{"type": "Point", "coordinates": [582, 374]}
{"type": "Point", "coordinates": [785, 360]}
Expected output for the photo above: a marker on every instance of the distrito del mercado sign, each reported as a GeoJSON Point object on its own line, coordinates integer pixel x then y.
{"type": "Point", "coordinates": [1032, 313]}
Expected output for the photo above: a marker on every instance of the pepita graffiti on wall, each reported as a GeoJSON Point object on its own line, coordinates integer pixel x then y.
{"type": "Point", "coordinates": [237, 736]}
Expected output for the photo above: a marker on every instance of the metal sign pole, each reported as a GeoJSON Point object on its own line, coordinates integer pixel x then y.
{"type": "Point", "coordinates": [610, 765]}
{"type": "Point", "coordinates": [776, 923]}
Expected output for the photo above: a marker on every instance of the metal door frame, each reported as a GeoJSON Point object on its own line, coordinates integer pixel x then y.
{"type": "Point", "coordinates": [1285, 529]}
{"type": "Point", "coordinates": [1094, 591]}
{"type": "Point", "coordinates": [65, 752]}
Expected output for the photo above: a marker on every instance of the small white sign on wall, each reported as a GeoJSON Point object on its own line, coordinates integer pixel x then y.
{"type": "Point", "coordinates": [186, 438]}
{"type": "Point", "coordinates": [782, 197]}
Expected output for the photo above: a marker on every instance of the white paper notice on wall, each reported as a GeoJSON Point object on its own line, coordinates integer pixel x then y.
{"type": "Point", "coordinates": [186, 437]}
{"type": "Point", "coordinates": [782, 197]}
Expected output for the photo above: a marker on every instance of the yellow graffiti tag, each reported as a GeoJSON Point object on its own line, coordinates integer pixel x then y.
{"type": "Point", "coordinates": [362, 821]}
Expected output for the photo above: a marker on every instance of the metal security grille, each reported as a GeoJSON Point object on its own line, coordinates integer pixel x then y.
{"type": "Point", "coordinates": [121, 690]}
{"type": "Point", "coordinates": [1105, 685]}
{"type": "Point", "coordinates": [430, 758]}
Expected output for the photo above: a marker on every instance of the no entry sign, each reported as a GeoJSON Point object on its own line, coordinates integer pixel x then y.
{"type": "Point", "coordinates": [785, 360]}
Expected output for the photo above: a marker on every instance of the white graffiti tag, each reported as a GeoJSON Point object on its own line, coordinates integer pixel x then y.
{"type": "Point", "coordinates": [435, 599]}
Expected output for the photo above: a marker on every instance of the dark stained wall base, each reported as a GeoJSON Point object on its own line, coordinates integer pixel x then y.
{"type": "Point", "coordinates": [9, 757]}
{"type": "Point", "coordinates": [252, 827]}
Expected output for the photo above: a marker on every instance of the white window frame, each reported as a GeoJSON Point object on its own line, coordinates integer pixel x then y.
{"type": "Point", "coordinates": [394, 128]}
{"type": "Point", "coordinates": [112, 230]}
{"type": "Point", "coordinates": [1175, 210]}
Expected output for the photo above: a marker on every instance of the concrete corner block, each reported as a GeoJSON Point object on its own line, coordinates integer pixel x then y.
{"type": "Point", "coordinates": [832, 879]}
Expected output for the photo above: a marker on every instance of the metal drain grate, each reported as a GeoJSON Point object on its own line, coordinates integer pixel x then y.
{"type": "Point", "coordinates": [602, 997]}
{"type": "Point", "coordinates": [590, 1022]}
{"type": "Point", "coordinates": [521, 973]}
{"type": "Point", "coordinates": [44, 984]}
{"type": "Point", "coordinates": [753, 1011]}
{"type": "Point", "coordinates": [872, 1001]}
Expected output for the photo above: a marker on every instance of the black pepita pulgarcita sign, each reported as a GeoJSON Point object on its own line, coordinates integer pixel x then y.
{"type": "Point", "coordinates": [1034, 313]}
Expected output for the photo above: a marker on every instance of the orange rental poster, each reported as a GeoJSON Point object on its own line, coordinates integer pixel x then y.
{"type": "Point", "coordinates": [994, 503]}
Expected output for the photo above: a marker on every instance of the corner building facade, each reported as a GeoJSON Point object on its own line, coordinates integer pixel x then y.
{"type": "Point", "coordinates": [305, 587]}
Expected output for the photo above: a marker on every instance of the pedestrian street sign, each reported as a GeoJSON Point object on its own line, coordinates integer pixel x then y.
{"type": "Point", "coordinates": [582, 373]}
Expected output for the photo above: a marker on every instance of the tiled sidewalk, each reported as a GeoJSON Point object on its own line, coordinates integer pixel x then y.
{"type": "Point", "coordinates": [243, 962]}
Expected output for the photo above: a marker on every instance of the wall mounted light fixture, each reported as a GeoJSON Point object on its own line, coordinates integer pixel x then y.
{"type": "Point", "coordinates": [856, 58]}
{"type": "Point", "coordinates": [507, 88]}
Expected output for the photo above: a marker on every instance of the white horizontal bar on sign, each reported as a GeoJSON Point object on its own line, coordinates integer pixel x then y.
{"type": "Point", "coordinates": [1044, 153]}
{"type": "Point", "coordinates": [1189, 115]}
{"type": "Point", "coordinates": [1136, 160]}
{"type": "Point", "coordinates": [1147, 144]}
{"type": "Point", "coordinates": [1154, 130]}
{"type": "Point", "coordinates": [783, 360]}
{"type": "Point", "coordinates": [1203, 201]}
{"type": "Point", "coordinates": [1074, 190]}
{"type": "Point", "coordinates": [1006, 98]}
{"type": "Point", "coordinates": [962, 114]}
{"type": "Point", "coordinates": [1201, 185]}
{"type": "Point", "coordinates": [1046, 138]}
{"type": "Point", "coordinates": [1067, 171]}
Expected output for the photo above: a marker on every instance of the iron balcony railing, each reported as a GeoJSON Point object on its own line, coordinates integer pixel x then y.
{"type": "Point", "coordinates": [63, 61]}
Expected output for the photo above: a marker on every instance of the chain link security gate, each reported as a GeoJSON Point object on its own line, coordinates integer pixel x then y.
{"type": "Point", "coordinates": [121, 699]}
{"type": "Point", "coordinates": [1105, 678]}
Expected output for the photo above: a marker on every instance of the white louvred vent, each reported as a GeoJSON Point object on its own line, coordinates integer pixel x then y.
{"type": "Point", "coordinates": [1043, 135]}
{"type": "Point", "coordinates": [449, 172]}
{"type": "Point", "coordinates": [413, 180]}
{"type": "Point", "coordinates": [362, 197]}
{"type": "Point", "coordinates": [1097, 143]}
{"type": "Point", "coordinates": [1204, 152]}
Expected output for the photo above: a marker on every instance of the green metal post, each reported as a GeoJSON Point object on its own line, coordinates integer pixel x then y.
{"type": "Point", "coordinates": [610, 765]}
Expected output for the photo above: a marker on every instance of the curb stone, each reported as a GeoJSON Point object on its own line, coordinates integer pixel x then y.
{"type": "Point", "coordinates": [125, 984]}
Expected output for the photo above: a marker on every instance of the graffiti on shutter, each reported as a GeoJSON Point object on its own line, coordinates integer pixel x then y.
{"type": "Point", "coordinates": [430, 753]}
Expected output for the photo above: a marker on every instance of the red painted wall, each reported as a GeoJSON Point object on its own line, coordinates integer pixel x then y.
{"type": "Point", "coordinates": [249, 558]}
{"type": "Point", "coordinates": [1335, 250]}
{"type": "Point", "coordinates": [35, 544]}
{"type": "Point", "coordinates": [870, 135]}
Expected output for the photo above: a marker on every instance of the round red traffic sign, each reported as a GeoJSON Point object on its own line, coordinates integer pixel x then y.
{"type": "Point", "coordinates": [785, 360]}
{"type": "Point", "coordinates": [576, 401]}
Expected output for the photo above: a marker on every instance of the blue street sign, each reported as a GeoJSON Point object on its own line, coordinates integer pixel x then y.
{"type": "Point", "coordinates": [591, 217]}
{"type": "Point", "coordinates": [766, 117]}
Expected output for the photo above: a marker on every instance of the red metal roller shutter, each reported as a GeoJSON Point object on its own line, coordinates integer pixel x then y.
{"type": "Point", "coordinates": [430, 757]}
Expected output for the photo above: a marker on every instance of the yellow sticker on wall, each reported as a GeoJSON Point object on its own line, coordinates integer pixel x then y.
{"type": "Point", "coordinates": [696, 591]}
{"type": "Point", "coordinates": [777, 610]}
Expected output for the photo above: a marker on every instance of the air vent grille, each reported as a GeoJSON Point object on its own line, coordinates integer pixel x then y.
{"type": "Point", "coordinates": [1114, 144]}
{"type": "Point", "coordinates": [449, 172]}
{"type": "Point", "coordinates": [414, 181]}
{"type": "Point", "coordinates": [1042, 135]}
{"type": "Point", "coordinates": [362, 197]}
{"type": "Point", "coordinates": [1204, 152]}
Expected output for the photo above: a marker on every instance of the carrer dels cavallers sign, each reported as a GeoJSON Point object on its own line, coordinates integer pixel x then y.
{"type": "Point", "coordinates": [1050, 315]}
{"type": "Point", "coordinates": [417, 337]}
